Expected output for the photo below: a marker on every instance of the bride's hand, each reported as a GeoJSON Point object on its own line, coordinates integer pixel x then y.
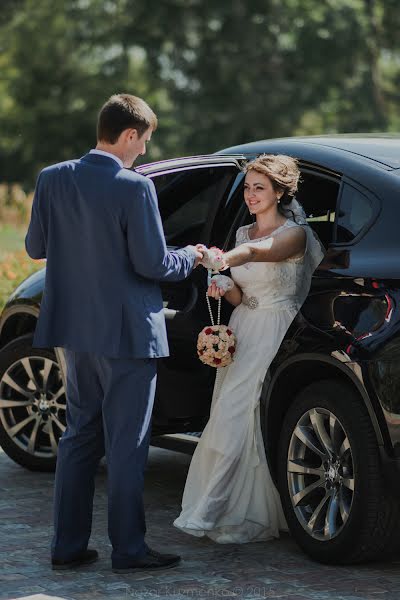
{"type": "Point", "coordinates": [215, 292]}
{"type": "Point", "coordinates": [212, 258]}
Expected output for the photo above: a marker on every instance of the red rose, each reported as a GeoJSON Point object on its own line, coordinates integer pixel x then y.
{"type": "Point", "coordinates": [231, 349]}
{"type": "Point", "coordinates": [208, 331]}
{"type": "Point", "coordinates": [229, 332]}
{"type": "Point", "coordinates": [217, 361]}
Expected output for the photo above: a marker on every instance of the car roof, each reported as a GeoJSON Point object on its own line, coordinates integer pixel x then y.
{"type": "Point", "coordinates": [380, 148]}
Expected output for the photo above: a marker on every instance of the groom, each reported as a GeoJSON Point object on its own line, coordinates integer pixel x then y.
{"type": "Point", "coordinates": [98, 225]}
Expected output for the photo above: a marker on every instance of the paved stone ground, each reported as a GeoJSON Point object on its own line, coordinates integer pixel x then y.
{"type": "Point", "coordinates": [276, 570]}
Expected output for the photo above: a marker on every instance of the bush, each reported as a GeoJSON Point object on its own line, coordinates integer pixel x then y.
{"type": "Point", "coordinates": [15, 264]}
{"type": "Point", "coordinates": [14, 268]}
{"type": "Point", "coordinates": [15, 205]}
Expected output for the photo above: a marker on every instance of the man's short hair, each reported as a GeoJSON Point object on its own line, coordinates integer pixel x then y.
{"type": "Point", "coordinates": [124, 111]}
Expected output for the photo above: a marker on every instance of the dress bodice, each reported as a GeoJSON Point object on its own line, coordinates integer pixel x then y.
{"type": "Point", "coordinates": [276, 285]}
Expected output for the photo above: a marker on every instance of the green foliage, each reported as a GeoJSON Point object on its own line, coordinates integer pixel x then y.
{"type": "Point", "coordinates": [15, 206]}
{"type": "Point", "coordinates": [15, 265]}
{"type": "Point", "coordinates": [60, 66]}
{"type": "Point", "coordinates": [238, 71]}
{"type": "Point", "coordinates": [11, 240]}
{"type": "Point", "coordinates": [216, 73]}
{"type": "Point", "coordinates": [15, 269]}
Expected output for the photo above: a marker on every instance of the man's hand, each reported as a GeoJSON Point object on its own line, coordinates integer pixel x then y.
{"type": "Point", "coordinates": [198, 252]}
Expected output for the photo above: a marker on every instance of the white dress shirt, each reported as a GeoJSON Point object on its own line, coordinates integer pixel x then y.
{"type": "Point", "coordinates": [109, 155]}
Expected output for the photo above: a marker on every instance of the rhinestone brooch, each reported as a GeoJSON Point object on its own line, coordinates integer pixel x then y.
{"type": "Point", "coordinates": [250, 301]}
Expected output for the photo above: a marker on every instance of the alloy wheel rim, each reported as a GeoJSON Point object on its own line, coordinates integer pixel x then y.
{"type": "Point", "coordinates": [320, 474]}
{"type": "Point", "coordinates": [32, 405]}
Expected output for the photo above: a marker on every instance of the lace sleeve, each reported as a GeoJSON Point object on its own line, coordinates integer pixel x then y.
{"type": "Point", "coordinates": [241, 237]}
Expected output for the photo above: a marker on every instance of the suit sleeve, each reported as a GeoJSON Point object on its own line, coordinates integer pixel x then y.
{"type": "Point", "coordinates": [146, 242]}
{"type": "Point", "coordinates": [35, 243]}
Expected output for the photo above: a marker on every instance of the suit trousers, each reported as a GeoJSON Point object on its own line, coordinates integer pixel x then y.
{"type": "Point", "coordinates": [109, 406]}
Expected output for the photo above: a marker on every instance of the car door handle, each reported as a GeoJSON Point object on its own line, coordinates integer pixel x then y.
{"type": "Point", "coordinates": [170, 313]}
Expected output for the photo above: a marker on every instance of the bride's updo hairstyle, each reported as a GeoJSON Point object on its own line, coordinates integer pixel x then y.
{"type": "Point", "coordinates": [282, 171]}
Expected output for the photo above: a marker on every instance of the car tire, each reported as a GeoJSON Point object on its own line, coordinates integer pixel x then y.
{"type": "Point", "coordinates": [330, 478]}
{"type": "Point", "coordinates": [32, 404]}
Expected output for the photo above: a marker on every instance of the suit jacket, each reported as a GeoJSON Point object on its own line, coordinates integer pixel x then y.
{"type": "Point", "coordinates": [100, 229]}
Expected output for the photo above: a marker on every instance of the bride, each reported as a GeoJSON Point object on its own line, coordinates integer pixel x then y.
{"type": "Point", "coordinates": [229, 493]}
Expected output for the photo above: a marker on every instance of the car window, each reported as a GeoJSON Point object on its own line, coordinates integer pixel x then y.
{"type": "Point", "coordinates": [227, 219]}
{"type": "Point", "coordinates": [354, 213]}
{"type": "Point", "coordinates": [319, 195]}
{"type": "Point", "coordinates": [188, 200]}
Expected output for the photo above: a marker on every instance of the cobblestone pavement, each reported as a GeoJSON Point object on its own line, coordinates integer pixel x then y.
{"type": "Point", "coordinates": [276, 570]}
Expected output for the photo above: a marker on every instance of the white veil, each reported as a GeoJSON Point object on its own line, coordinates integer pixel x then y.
{"type": "Point", "coordinates": [315, 251]}
{"type": "Point", "coordinates": [295, 211]}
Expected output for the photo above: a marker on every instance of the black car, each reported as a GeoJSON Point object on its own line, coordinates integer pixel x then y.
{"type": "Point", "coordinates": [331, 400]}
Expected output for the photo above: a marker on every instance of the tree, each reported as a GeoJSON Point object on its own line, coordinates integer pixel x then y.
{"type": "Point", "coordinates": [60, 63]}
{"type": "Point", "coordinates": [216, 73]}
{"type": "Point", "coordinates": [236, 71]}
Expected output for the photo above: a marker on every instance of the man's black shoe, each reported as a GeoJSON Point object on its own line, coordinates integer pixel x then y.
{"type": "Point", "coordinates": [151, 560]}
{"type": "Point", "coordinates": [86, 558]}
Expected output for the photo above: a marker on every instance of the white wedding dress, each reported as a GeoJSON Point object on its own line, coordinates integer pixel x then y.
{"type": "Point", "coordinates": [229, 493]}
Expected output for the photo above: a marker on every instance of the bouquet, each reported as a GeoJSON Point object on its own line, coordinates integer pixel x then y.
{"type": "Point", "coordinates": [213, 259]}
{"type": "Point", "coordinates": [216, 343]}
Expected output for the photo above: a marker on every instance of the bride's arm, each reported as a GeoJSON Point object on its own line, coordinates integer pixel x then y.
{"type": "Point", "coordinates": [288, 244]}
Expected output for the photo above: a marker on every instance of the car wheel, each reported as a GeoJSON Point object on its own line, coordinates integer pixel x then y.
{"type": "Point", "coordinates": [330, 477]}
{"type": "Point", "coordinates": [32, 404]}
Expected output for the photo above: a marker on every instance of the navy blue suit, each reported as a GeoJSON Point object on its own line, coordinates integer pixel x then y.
{"type": "Point", "coordinates": [99, 227]}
